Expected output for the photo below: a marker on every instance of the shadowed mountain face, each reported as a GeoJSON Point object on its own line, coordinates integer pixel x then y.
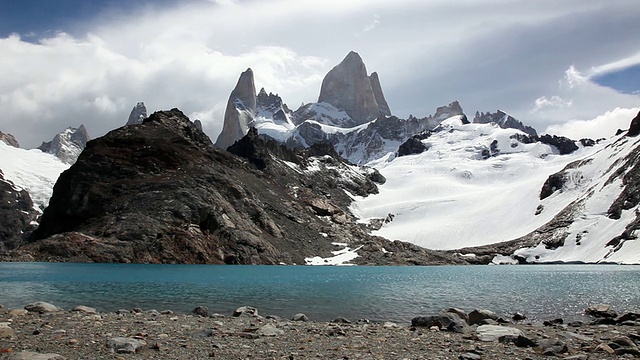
{"type": "Point", "coordinates": [160, 192]}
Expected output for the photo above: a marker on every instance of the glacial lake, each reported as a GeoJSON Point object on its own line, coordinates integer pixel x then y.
{"type": "Point", "coordinates": [324, 293]}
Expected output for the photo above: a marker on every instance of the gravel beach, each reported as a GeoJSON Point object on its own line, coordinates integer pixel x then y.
{"type": "Point", "coordinates": [42, 331]}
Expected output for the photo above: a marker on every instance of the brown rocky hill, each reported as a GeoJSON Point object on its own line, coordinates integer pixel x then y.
{"type": "Point", "coordinates": [160, 192]}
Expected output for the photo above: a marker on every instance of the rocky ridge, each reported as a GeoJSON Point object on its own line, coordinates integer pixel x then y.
{"type": "Point", "coordinates": [17, 213]}
{"type": "Point", "coordinates": [138, 114]}
{"type": "Point", "coordinates": [160, 192]}
{"type": "Point", "coordinates": [68, 144]}
{"type": "Point", "coordinates": [503, 120]}
{"type": "Point", "coordinates": [9, 140]}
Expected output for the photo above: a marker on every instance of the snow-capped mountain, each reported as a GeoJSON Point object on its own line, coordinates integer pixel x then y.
{"type": "Point", "coordinates": [68, 144]}
{"type": "Point", "coordinates": [503, 120]}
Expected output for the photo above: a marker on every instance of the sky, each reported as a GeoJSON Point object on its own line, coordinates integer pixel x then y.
{"type": "Point", "coordinates": [568, 66]}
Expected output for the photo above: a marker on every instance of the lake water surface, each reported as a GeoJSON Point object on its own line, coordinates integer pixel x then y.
{"type": "Point", "coordinates": [324, 293]}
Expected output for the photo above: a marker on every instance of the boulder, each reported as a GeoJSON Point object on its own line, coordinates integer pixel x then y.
{"type": "Point", "coordinates": [269, 330]}
{"type": "Point", "coordinates": [412, 146]}
{"type": "Point", "coordinates": [6, 332]}
{"type": "Point", "coordinates": [494, 332]}
{"type": "Point", "coordinates": [84, 309]}
{"type": "Point", "coordinates": [124, 345]}
{"type": "Point", "coordinates": [201, 311]}
{"type": "Point", "coordinates": [245, 311]}
{"type": "Point", "coordinates": [29, 355]}
{"type": "Point", "coordinates": [601, 311]}
{"type": "Point", "coordinates": [300, 317]}
{"type": "Point", "coordinates": [479, 315]}
{"type": "Point", "coordinates": [550, 347]}
{"type": "Point", "coordinates": [41, 307]}
{"type": "Point", "coordinates": [444, 321]}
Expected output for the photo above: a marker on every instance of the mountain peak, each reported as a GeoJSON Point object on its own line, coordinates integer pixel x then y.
{"type": "Point", "coordinates": [138, 114]}
{"type": "Point", "coordinates": [68, 144]}
{"type": "Point", "coordinates": [348, 87]}
{"type": "Point", "coordinates": [9, 140]}
{"type": "Point", "coordinates": [240, 111]}
{"type": "Point", "coordinates": [504, 120]}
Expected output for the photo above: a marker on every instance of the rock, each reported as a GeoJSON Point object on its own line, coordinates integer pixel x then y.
{"type": "Point", "coordinates": [123, 312]}
{"type": "Point", "coordinates": [6, 332]}
{"type": "Point", "coordinates": [17, 213]}
{"type": "Point", "coordinates": [28, 355]}
{"type": "Point", "coordinates": [9, 140]}
{"type": "Point", "coordinates": [577, 357]}
{"type": "Point", "coordinates": [201, 311]}
{"type": "Point", "coordinates": [553, 347]}
{"type": "Point", "coordinates": [601, 310]}
{"type": "Point", "coordinates": [378, 94]}
{"type": "Point", "coordinates": [631, 316]}
{"type": "Point", "coordinates": [245, 311]}
{"type": "Point", "coordinates": [518, 317]}
{"type": "Point", "coordinates": [469, 356]}
{"type": "Point", "coordinates": [241, 109]}
{"type": "Point", "coordinates": [411, 146]}
{"type": "Point", "coordinates": [572, 335]}
{"type": "Point", "coordinates": [68, 144]}
{"type": "Point", "coordinates": [41, 307]}
{"type": "Point", "coordinates": [138, 114]}
{"type": "Point", "coordinates": [634, 128]}
{"type": "Point", "coordinates": [123, 345]}
{"type": "Point", "coordinates": [18, 312]}
{"type": "Point", "coordinates": [153, 313]}
{"type": "Point", "coordinates": [604, 348]}
{"type": "Point", "coordinates": [166, 312]}
{"type": "Point", "coordinates": [503, 120]}
{"type": "Point", "coordinates": [300, 317]}
{"type": "Point", "coordinates": [477, 316]}
{"type": "Point", "coordinates": [348, 88]}
{"type": "Point", "coordinates": [204, 333]}
{"type": "Point", "coordinates": [84, 309]}
{"type": "Point", "coordinates": [494, 332]}
{"type": "Point", "coordinates": [624, 341]}
{"type": "Point", "coordinates": [198, 124]}
{"type": "Point", "coordinates": [553, 322]}
{"type": "Point", "coordinates": [269, 330]}
{"type": "Point", "coordinates": [444, 321]}
{"type": "Point", "coordinates": [341, 320]}
{"type": "Point", "coordinates": [563, 144]}
{"type": "Point", "coordinates": [461, 313]}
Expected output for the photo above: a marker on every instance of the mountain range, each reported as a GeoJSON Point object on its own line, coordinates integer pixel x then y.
{"type": "Point", "coordinates": [337, 181]}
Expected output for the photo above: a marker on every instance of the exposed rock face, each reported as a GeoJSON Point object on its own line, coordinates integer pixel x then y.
{"type": "Point", "coordinates": [68, 144]}
{"type": "Point", "coordinates": [198, 124]}
{"type": "Point", "coordinates": [503, 120]}
{"type": "Point", "coordinates": [9, 140]}
{"type": "Point", "coordinates": [411, 146]}
{"type": "Point", "coordinates": [379, 95]}
{"type": "Point", "coordinates": [563, 144]}
{"type": "Point", "coordinates": [162, 193]}
{"type": "Point", "coordinates": [240, 112]}
{"type": "Point", "coordinates": [138, 114]}
{"type": "Point", "coordinates": [17, 214]}
{"type": "Point", "coordinates": [634, 128]}
{"type": "Point", "coordinates": [348, 87]}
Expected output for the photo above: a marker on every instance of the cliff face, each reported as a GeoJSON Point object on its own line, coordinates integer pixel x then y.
{"type": "Point", "coordinates": [241, 109]}
{"type": "Point", "coordinates": [161, 192]}
{"type": "Point", "coordinates": [68, 144]}
{"type": "Point", "coordinates": [348, 87]}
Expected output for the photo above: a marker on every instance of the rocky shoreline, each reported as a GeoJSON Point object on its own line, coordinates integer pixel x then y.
{"type": "Point", "coordinates": [42, 331]}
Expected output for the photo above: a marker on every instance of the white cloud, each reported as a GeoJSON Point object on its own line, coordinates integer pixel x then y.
{"type": "Point", "coordinates": [374, 23]}
{"type": "Point", "coordinates": [602, 126]}
{"type": "Point", "coordinates": [554, 101]}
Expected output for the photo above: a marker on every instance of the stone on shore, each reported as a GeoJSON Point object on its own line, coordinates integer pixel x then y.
{"type": "Point", "coordinates": [443, 321]}
{"type": "Point", "coordinates": [300, 317]}
{"type": "Point", "coordinates": [41, 307]}
{"type": "Point", "coordinates": [553, 347]}
{"type": "Point", "coordinates": [479, 316]}
{"type": "Point", "coordinates": [18, 312]}
{"type": "Point", "coordinates": [122, 345]}
{"type": "Point", "coordinates": [28, 355]}
{"type": "Point", "coordinates": [269, 330]}
{"type": "Point", "coordinates": [201, 311]}
{"type": "Point", "coordinates": [245, 311]}
{"type": "Point", "coordinates": [6, 332]}
{"type": "Point", "coordinates": [494, 332]}
{"type": "Point", "coordinates": [84, 309]}
{"type": "Point", "coordinates": [601, 310]}
{"type": "Point", "coordinates": [461, 313]}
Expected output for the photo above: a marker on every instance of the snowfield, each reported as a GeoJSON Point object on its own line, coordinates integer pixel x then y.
{"type": "Point", "coordinates": [31, 170]}
{"type": "Point", "coordinates": [450, 197]}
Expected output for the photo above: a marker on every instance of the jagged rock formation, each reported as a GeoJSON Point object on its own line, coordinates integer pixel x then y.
{"type": "Point", "coordinates": [68, 144]}
{"type": "Point", "coordinates": [17, 214]}
{"type": "Point", "coordinates": [161, 192]}
{"type": "Point", "coordinates": [634, 128]}
{"type": "Point", "coordinates": [9, 140]}
{"type": "Point", "coordinates": [240, 112]}
{"type": "Point", "coordinates": [503, 120]}
{"type": "Point", "coordinates": [138, 114]}
{"type": "Point", "coordinates": [198, 124]}
{"type": "Point", "coordinates": [348, 87]}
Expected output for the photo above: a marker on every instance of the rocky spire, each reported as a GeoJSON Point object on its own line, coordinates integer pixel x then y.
{"type": "Point", "coordinates": [68, 144]}
{"type": "Point", "coordinates": [198, 124]}
{"type": "Point", "coordinates": [377, 93]}
{"type": "Point", "coordinates": [348, 87]}
{"type": "Point", "coordinates": [241, 109]}
{"type": "Point", "coordinates": [138, 114]}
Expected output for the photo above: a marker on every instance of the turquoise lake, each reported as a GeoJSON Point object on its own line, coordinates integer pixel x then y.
{"type": "Point", "coordinates": [324, 293]}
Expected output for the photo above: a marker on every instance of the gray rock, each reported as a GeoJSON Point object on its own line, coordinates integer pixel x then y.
{"type": "Point", "coordinates": [601, 310]}
{"type": "Point", "coordinates": [153, 313]}
{"type": "Point", "coordinates": [241, 109]}
{"type": "Point", "coordinates": [123, 312]}
{"type": "Point", "coordinates": [9, 140]}
{"type": "Point", "coordinates": [123, 345]}
{"type": "Point", "coordinates": [379, 95]}
{"type": "Point", "coordinates": [198, 124]}
{"type": "Point", "coordinates": [461, 313]}
{"type": "Point", "coordinates": [6, 332]}
{"type": "Point", "coordinates": [269, 330]}
{"type": "Point", "coordinates": [84, 309]}
{"type": "Point", "coordinates": [519, 341]}
{"type": "Point", "coordinates": [68, 144]}
{"type": "Point", "coordinates": [518, 317]}
{"type": "Point", "coordinates": [341, 320]}
{"type": "Point", "coordinates": [444, 321]}
{"type": "Point", "coordinates": [245, 311]}
{"type": "Point", "coordinates": [577, 357]}
{"type": "Point", "coordinates": [550, 347]}
{"type": "Point", "coordinates": [477, 316]}
{"type": "Point", "coordinates": [494, 332]}
{"type": "Point", "coordinates": [576, 336]}
{"type": "Point", "coordinates": [469, 356]}
{"type": "Point", "coordinates": [201, 311]}
{"type": "Point", "coordinates": [204, 333]}
{"type": "Point", "coordinates": [300, 317]}
{"type": "Point", "coordinates": [138, 114]}
{"type": "Point", "coordinates": [28, 355]}
{"type": "Point", "coordinates": [41, 307]}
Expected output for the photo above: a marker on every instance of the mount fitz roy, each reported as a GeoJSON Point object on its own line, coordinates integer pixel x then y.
{"type": "Point", "coordinates": [338, 181]}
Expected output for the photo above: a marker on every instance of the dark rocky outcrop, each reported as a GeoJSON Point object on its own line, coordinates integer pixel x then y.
{"type": "Point", "coordinates": [411, 146]}
{"type": "Point", "coordinates": [160, 192]}
{"type": "Point", "coordinates": [634, 128]}
{"type": "Point", "coordinates": [68, 144]}
{"type": "Point", "coordinates": [553, 183]}
{"type": "Point", "coordinates": [17, 214]}
{"type": "Point", "coordinates": [503, 120]}
{"type": "Point", "coordinates": [563, 144]}
{"type": "Point", "coordinates": [9, 140]}
{"type": "Point", "coordinates": [138, 114]}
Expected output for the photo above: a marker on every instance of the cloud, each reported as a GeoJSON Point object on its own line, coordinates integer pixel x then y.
{"type": "Point", "coordinates": [486, 53]}
{"type": "Point", "coordinates": [602, 126]}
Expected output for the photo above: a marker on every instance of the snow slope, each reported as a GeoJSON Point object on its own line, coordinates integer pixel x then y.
{"type": "Point", "coordinates": [31, 170]}
{"type": "Point", "coordinates": [450, 196]}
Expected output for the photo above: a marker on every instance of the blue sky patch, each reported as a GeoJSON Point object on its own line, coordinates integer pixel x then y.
{"type": "Point", "coordinates": [626, 81]}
